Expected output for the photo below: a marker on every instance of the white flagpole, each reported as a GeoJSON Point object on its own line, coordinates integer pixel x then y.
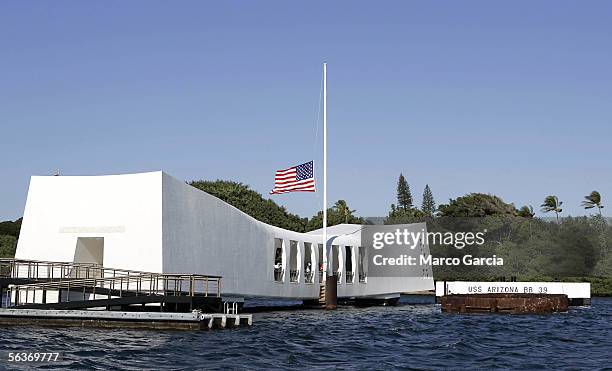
{"type": "Point", "coordinates": [324, 171]}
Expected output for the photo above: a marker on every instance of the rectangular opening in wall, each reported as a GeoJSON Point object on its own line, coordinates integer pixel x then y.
{"type": "Point", "coordinates": [88, 250]}
{"type": "Point", "coordinates": [363, 264]}
{"type": "Point", "coordinates": [349, 264]}
{"type": "Point", "coordinates": [336, 262]}
{"type": "Point", "coordinates": [278, 260]}
{"type": "Point", "coordinates": [308, 263]}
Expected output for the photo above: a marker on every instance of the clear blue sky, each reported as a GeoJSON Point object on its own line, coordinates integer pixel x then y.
{"type": "Point", "coordinates": [511, 98]}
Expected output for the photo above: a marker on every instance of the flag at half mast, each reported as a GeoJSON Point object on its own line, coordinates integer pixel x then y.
{"type": "Point", "coordinates": [298, 178]}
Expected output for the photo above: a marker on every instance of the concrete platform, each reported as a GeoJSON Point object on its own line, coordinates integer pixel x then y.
{"type": "Point", "coordinates": [578, 293]}
{"type": "Point", "coordinates": [112, 319]}
{"type": "Point", "coordinates": [504, 303]}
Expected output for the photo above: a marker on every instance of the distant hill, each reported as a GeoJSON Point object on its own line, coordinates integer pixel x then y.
{"type": "Point", "coordinates": [10, 228]}
{"type": "Point", "coordinates": [9, 233]}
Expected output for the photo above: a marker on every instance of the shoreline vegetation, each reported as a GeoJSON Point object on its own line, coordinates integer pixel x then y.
{"type": "Point", "coordinates": [565, 249]}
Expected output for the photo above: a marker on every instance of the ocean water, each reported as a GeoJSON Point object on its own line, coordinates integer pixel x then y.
{"type": "Point", "coordinates": [413, 335]}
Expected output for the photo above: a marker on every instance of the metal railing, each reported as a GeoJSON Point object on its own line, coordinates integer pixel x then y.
{"type": "Point", "coordinates": [294, 275]}
{"type": "Point", "coordinates": [320, 276]}
{"type": "Point", "coordinates": [308, 276]}
{"type": "Point", "coordinates": [339, 274]}
{"type": "Point", "coordinates": [145, 284]}
{"type": "Point", "coordinates": [230, 307]}
{"type": "Point", "coordinates": [362, 277]}
{"type": "Point", "coordinates": [279, 274]}
{"type": "Point", "coordinates": [58, 271]}
{"type": "Point", "coordinates": [349, 277]}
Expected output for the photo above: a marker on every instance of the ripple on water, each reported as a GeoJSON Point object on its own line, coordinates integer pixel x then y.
{"type": "Point", "coordinates": [407, 336]}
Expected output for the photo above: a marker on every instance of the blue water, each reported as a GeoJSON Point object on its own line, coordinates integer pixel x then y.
{"type": "Point", "coordinates": [413, 335]}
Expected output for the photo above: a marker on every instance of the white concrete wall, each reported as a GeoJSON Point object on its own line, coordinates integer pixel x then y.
{"type": "Point", "coordinates": [203, 234]}
{"type": "Point", "coordinates": [123, 209]}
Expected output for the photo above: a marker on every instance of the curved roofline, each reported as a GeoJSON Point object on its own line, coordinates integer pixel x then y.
{"type": "Point", "coordinates": [332, 231]}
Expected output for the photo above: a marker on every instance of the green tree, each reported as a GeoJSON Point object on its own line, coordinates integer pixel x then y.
{"type": "Point", "coordinates": [338, 214]}
{"type": "Point", "coordinates": [477, 205]}
{"type": "Point", "coordinates": [344, 211]}
{"type": "Point", "coordinates": [399, 215]}
{"type": "Point", "coordinates": [526, 212]}
{"type": "Point", "coordinates": [8, 244]}
{"type": "Point", "coordinates": [252, 203]}
{"type": "Point", "coordinates": [11, 228]}
{"type": "Point", "coordinates": [552, 203]}
{"type": "Point", "coordinates": [593, 200]}
{"type": "Point", "coordinates": [428, 206]}
{"type": "Point", "coordinates": [404, 197]}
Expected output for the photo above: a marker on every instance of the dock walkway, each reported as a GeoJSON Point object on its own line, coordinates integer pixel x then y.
{"type": "Point", "coordinates": [62, 285]}
{"type": "Point", "coordinates": [195, 320]}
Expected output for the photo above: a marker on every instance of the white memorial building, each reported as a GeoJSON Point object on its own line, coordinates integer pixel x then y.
{"type": "Point", "coordinates": [153, 222]}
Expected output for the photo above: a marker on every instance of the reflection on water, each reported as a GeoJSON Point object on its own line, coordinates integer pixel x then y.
{"type": "Point", "coordinates": [412, 334]}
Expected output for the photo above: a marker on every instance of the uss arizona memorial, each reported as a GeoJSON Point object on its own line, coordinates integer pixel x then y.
{"type": "Point", "coordinates": [155, 223]}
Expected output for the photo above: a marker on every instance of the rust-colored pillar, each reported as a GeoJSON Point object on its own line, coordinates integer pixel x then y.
{"type": "Point", "coordinates": [331, 292]}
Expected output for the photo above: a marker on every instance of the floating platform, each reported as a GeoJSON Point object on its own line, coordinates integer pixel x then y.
{"type": "Point", "coordinates": [135, 320]}
{"type": "Point", "coordinates": [505, 303]}
{"type": "Point", "coordinates": [578, 293]}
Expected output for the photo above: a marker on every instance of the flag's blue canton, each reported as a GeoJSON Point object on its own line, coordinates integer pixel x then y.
{"type": "Point", "coordinates": [304, 171]}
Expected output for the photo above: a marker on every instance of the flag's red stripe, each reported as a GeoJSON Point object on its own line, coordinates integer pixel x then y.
{"type": "Point", "coordinates": [293, 173]}
{"type": "Point", "coordinates": [285, 171]}
{"type": "Point", "coordinates": [296, 186]}
{"type": "Point", "coordinates": [285, 182]}
{"type": "Point", "coordinates": [291, 177]}
{"type": "Point", "coordinates": [292, 189]}
{"type": "Point", "coordinates": [293, 183]}
{"type": "Point", "coordinates": [296, 190]}
{"type": "Point", "coordinates": [282, 182]}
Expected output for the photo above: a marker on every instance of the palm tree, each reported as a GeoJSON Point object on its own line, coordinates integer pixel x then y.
{"type": "Point", "coordinates": [593, 200]}
{"type": "Point", "coordinates": [342, 207]}
{"type": "Point", "coordinates": [526, 212]}
{"type": "Point", "coordinates": [552, 203]}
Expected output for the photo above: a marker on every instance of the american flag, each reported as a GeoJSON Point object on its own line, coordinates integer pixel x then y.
{"type": "Point", "coordinates": [295, 179]}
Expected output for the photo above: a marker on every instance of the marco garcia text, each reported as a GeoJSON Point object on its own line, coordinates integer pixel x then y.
{"type": "Point", "coordinates": [406, 260]}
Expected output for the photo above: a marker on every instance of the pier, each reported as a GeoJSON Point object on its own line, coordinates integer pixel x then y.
{"type": "Point", "coordinates": [195, 320]}
{"type": "Point", "coordinates": [89, 295]}
{"type": "Point", "coordinates": [60, 285]}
